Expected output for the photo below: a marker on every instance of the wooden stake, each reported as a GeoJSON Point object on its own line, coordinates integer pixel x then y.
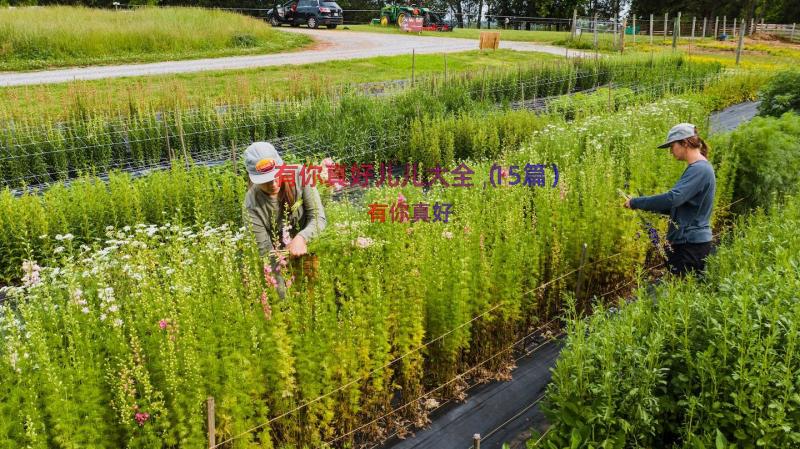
{"type": "Point", "coordinates": [212, 423]}
{"type": "Point", "coordinates": [666, 26]}
{"type": "Point", "coordinates": [651, 29]}
{"type": "Point", "coordinates": [413, 63]}
{"type": "Point", "coordinates": [476, 441]}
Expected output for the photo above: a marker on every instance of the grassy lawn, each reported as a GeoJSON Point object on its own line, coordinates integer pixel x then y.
{"type": "Point", "coordinates": [46, 37]}
{"type": "Point", "coordinates": [242, 86]}
{"type": "Point", "coordinates": [472, 33]}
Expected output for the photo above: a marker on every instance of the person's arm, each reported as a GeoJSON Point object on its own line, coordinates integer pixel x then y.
{"type": "Point", "coordinates": [690, 183]}
{"type": "Point", "coordinates": [312, 205]}
{"type": "Point", "coordinates": [259, 229]}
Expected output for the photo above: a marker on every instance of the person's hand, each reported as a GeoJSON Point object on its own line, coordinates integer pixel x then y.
{"type": "Point", "coordinates": [627, 203]}
{"type": "Point", "coordinates": [297, 247]}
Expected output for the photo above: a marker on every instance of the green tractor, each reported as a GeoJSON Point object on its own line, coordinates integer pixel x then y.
{"type": "Point", "coordinates": [396, 14]}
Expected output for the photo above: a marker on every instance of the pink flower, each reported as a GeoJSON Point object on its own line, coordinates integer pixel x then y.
{"type": "Point", "coordinates": [141, 418]}
{"type": "Point", "coordinates": [163, 324]}
{"type": "Point", "coordinates": [289, 282]}
{"type": "Point", "coordinates": [287, 238]}
{"type": "Point", "coordinates": [265, 305]}
{"type": "Point", "coordinates": [363, 242]}
{"type": "Point", "coordinates": [401, 198]}
{"type": "Point", "coordinates": [328, 162]}
{"type": "Point", "coordinates": [267, 269]}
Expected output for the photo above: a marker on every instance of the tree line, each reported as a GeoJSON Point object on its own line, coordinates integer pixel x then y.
{"type": "Point", "coordinates": [774, 11]}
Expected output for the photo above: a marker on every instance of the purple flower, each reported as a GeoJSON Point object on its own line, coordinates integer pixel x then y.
{"type": "Point", "coordinates": [163, 324]}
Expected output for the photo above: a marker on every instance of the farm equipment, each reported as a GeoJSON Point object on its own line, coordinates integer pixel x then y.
{"type": "Point", "coordinates": [396, 14]}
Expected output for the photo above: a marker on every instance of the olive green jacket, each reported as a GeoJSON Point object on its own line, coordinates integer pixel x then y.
{"type": "Point", "coordinates": [267, 217]}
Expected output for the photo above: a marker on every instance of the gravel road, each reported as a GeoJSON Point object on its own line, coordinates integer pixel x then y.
{"type": "Point", "coordinates": [330, 45]}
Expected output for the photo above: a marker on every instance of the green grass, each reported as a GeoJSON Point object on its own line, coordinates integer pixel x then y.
{"type": "Point", "coordinates": [242, 86]}
{"type": "Point", "coordinates": [757, 54]}
{"type": "Point", "coordinates": [39, 38]}
{"type": "Point", "coordinates": [472, 33]}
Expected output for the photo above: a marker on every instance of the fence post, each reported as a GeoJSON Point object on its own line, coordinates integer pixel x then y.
{"type": "Point", "coordinates": [633, 31]}
{"type": "Point", "coordinates": [694, 21]}
{"type": "Point", "coordinates": [622, 36]}
{"type": "Point", "coordinates": [666, 25]}
{"type": "Point", "coordinates": [476, 441]}
{"type": "Point", "coordinates": [574, 23]}
{"type": "Point", "coordinates": [739, 47]}
{"type": "Point", "coordinates": [734, 28]}
{"type": "Point", "coordinates": [676, 30]}
{"type": "Point", "coordinates": [716, 27]}
{"type": "Point", "coordinates": [445, 66]}
{"type": "Point", "coordinates": [724, 24]}
{"type": "Point", "coordinates": [651, 29]}
{"type": "Point", "coordinates": [212, 423]}
{"type": "Point", "coordinates": [595, 32]}
{"type": "Point", "coordinates": [791, 36]}
{"type": "Point", "coordinates": [752, 25]}
{"type": "Point", "coordinates": [705, 20]}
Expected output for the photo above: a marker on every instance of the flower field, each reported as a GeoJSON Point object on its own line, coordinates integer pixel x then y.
{"type": "Point", "coordinates": [133, 300]}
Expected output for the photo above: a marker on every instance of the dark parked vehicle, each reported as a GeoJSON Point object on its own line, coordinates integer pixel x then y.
{"type": "Point", "coordinates": [310, 12]}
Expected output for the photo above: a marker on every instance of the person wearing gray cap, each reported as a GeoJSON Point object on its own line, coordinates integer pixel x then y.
{"type": "Point", "coordinates": [284, 216]}
{"type": "Point", "coordinates": [689, 203]}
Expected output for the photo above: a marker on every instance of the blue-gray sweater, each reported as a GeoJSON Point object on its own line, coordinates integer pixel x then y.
{"type": "Point", "coordinates": [688, 204]}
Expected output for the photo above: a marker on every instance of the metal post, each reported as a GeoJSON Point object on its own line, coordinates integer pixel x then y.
{"type": "Point", "coordinates": [615, 33]}
{"type": "Point", "coordinates": [476, 441]}
{"type": "Point", "coordinates": [716, 27]}
{"type": "Point", "coordinates": [580, 272]}
{"type": "Point", "coordinates": [705, 20]}
{"type": "Point", "coordinates": [595, 31]}
{"type": "Point", "coordinates": [651, 29]}
{"type": "Point", "coordinates": [212, 425]}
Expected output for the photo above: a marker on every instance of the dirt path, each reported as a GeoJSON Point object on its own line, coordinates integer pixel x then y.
{"type": "Point", "coordinates": [331, 45]}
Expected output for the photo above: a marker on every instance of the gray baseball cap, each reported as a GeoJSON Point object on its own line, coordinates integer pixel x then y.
{"type": "Point", "coordinates": [262, 162]}
{"type": "Point", "coordinates": [679, 132]}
